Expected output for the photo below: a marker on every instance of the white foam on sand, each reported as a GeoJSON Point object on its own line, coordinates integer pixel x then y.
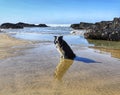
{"type": "Point", "coordinates": [78, 32]}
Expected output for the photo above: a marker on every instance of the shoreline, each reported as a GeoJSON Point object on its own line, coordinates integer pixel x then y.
{"type": "Point", "coordinates": [9, 46]}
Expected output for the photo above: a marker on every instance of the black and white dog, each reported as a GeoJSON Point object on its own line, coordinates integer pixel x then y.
{"type": "Point", "coordinates": [63, 48]}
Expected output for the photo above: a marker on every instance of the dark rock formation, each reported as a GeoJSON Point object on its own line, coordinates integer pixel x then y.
{"type": "Point", "coordinates": [10, 25]}
{"type": "Point", "coordinates": [31, 25]}
{"type": "Point", "coordinates": [20, 25]}
{"type": "Point", "coordinates": [104, 30]}
{"type": "Point", "coordinates": [82, 25]}
{"type": "Point", "coordinates": [75, 26]}
{"type": "Point", "coordinates": [25, 24]}
{"type": "Point", "coordinates": [42, 25]}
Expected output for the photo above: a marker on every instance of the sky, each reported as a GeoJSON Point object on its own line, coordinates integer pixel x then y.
{"type": "Point", "coordinates": [58, 11]}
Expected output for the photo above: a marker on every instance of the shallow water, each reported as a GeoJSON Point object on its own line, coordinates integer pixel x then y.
{"type": "Point", "coordinates": [107, 47]}
{"type": "Point", "coordinates": [40, 71]}
{"type": "Point", "coordinates": [47, 34]}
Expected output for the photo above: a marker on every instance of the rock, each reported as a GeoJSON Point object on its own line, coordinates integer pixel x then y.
{"type": "Point", "coordinates": [82, 25]}
{"type": "Point", "coordinates": [75, 26]}
{"type": "Point", "coordinates": [31, 25]}
{"type": "Point", "coordinates": [25, 24]}
{"type": "Point", "coordinates": [42, 25]}
{"type": "Point", "coordinates": [104, 30]}
{"type": "Point", "coordinates": [20, 25]}
{"type": "Point", "coordinates": [10, 25]}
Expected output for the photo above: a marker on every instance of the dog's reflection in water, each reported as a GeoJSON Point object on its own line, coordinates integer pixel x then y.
{"type": "Point", "coordinates": [62, 67]}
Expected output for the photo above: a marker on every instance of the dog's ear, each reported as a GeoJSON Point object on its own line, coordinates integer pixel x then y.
{"type": "Point", "coordinates": [61, 37]}
{"type": "Point", "coordinates": [55, 37]}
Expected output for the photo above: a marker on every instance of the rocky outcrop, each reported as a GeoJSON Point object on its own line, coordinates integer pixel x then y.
{"type": "Point", "coordinates": [82, 25]}
{"type": "Point", "coordinates": [10, 25]}
{"type": "Point", "coordinates": [75, 26]}
{"type": "Point", "coordinates": [31, 25]}
{"type": "Point", "coordinates": [20, 25]}
{"type": "Point", "coordinates": [25, 24]}
{"type": "Point", "coordinates": [42, 25]}
{"type": "Point", "coordinates": [104, 30]}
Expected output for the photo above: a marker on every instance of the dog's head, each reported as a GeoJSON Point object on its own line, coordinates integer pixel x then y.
{"type": "Point", "coordinates": [58, 39]}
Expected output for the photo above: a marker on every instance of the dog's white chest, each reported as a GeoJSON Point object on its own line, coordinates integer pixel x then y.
{"type": "Point", "coordinates": [60, 50]}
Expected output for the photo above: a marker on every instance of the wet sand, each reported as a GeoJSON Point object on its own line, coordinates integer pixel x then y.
{"type": "Point", "coordinates": [9, 46]}
{"type": "Point", "coordinates": [40, 71]}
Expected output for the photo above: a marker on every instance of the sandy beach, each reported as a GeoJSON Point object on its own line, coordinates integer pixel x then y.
{"type": "Point", "coordinates": [9, 45]}
{"type": "Point", "coordinates": [40, 71]}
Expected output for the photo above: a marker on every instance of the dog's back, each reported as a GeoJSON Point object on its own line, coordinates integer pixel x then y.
{"type": "Point", "coordinates": [63, 48]}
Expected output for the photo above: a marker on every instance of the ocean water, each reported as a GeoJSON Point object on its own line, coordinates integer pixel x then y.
{"type": "Point", "coordinates": [48, 33]}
